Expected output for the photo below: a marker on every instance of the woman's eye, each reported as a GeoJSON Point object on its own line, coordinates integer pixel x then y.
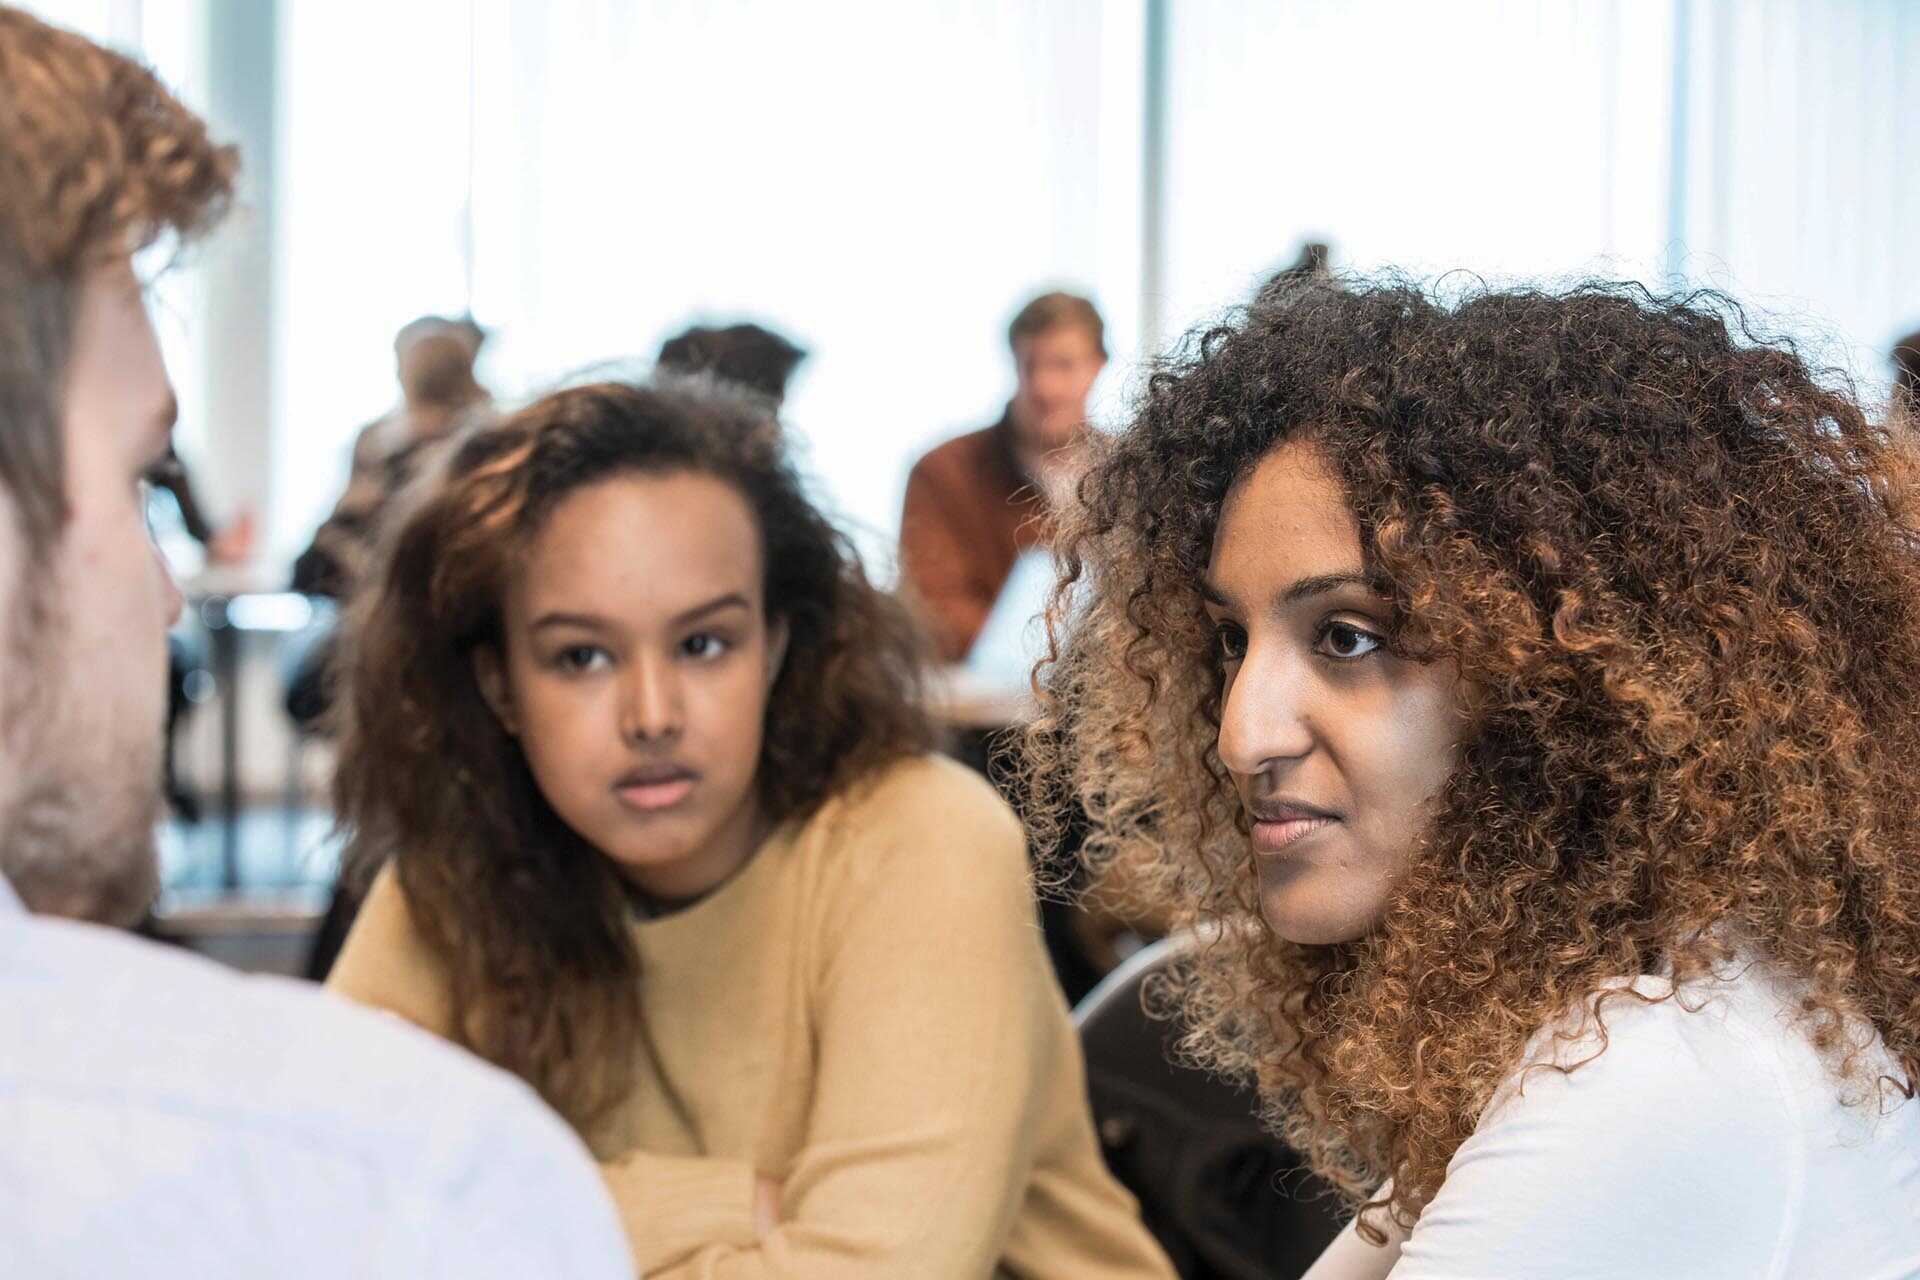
{"type": "Point", "coordinates": [1344, 641]}
{"type": "Point", "coordinates": [703, 644]}
{"type": "Point", "coordinates": [1229, 641]}
{"type": "Point", "coordinates": [580, 657]}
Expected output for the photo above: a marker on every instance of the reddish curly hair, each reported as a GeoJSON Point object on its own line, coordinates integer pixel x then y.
{"type": "Point", "coordinates": [1677, 570]}
{"type": "Point", "coordinates": [97, 160]}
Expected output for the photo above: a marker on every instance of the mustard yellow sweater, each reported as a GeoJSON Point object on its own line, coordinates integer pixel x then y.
{"type": "Point", "coordinates": [865, 1013]}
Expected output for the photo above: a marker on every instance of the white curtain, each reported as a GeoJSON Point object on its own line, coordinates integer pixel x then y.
{"type": "Point", "coordinates": [1764, 146]}
{"type": "Point", "coordinates": [1519, 138]}
{"type": "Point", "coordinates": [1802, 162]}
{"type": "Point", "coordinates": [372, 173]}
{"type": "Point", "coordinates": [883, 182]}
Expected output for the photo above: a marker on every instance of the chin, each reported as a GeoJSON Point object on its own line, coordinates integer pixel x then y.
{"type": "Point", "coordinates": [1309, 920]}
{"type": "Point", "coordinates": [663, 850]}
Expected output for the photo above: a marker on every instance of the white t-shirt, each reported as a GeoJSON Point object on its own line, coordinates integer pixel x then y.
{"type": "Point", "coordinates": [162, 1116]}
{"type": "Point", "coordinates": [1709, 1139]}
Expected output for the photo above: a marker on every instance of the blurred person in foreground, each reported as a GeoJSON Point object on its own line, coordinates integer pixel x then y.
{"type": "Point", "coordinates": [977, 502]}
{"type": "Point", "coordinates": [165, 1116]}
{"type": "Point", "coordinates": [744, 355]}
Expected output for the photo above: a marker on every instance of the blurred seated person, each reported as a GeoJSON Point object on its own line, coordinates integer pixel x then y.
{"type": "Point", "coordinates": [975, 503]}
{"type": "Point", "coordinates": [224, 547]}
{"type": "Point", "coordinates": [745, 355]}
{"type": "Point", "coordinates": [977, 512]}
{"type": "Point", "coordinates": [1906, 374]}
{"type": "Point", "coordinates": [434, 358]}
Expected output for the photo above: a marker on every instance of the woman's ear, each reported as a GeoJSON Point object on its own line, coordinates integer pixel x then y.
{"type": "Point", "coordinates": [490, 673]}
{"type": "Point", "coordinates": [777, 634]}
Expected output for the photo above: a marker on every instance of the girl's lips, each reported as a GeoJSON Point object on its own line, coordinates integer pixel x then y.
{"type": "Point", "coordinates": [651, 797]}
{"type": "Point", "coordinates": [647, 794]}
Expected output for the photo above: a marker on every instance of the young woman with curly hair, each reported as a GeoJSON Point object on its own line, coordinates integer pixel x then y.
{"type": "Point", "coordinates": [1520, 694]}
{"type": "Point", "coordinates": [642, 750]}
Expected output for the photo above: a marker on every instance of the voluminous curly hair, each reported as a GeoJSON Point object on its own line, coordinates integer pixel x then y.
{"type": "Point", "coordinates": [530, 922]}
{"type": "Point", "coordinates": [1677, 570]}
{"type": "Point", "coordinates": [97, 160]}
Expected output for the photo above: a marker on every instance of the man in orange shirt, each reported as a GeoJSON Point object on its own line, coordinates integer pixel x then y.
{"type": "Point", "coordinates": [976, 502]}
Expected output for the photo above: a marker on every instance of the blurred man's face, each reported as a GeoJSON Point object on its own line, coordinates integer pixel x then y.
{"type": "Point", "coordinates": [437, 370]}
{"type": "Point", "coordinates": [1056, 369]}
{"type": "Point", "coordinates": [83, 696]}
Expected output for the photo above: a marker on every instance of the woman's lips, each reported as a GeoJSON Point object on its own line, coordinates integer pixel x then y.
{"type": "Point", "coordinates": [650, 791]}
{"type": "Point", "coordinates": [1282, 835]}
{"type": "Point", "coordinates": [1280, 824]}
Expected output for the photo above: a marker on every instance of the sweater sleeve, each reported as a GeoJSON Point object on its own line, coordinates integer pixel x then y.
{"type": "Point", "coordinates": [935, 1008]}
{"type": "Point", "coordinates": [936, 566]}
{"type": "Point", "coordinates": [674, 1207]}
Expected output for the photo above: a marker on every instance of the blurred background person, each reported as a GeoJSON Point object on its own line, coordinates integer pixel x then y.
{"type": "Point", "coordinates": [1906, 374]}
{"type": "Point", "coordinates": [1311, 266]}
{"type": "Point", "coordinates": [434, 359]}
{"type": "Point", "coordinates": [746, 355]}
{"type": "Point", "coordinates": [979, 501]}
{"type": "Point", "coordinates": [224, 548]}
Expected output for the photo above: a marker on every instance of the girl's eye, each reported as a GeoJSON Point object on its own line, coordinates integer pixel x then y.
{"type": "Point", "coordinates": [1344, 642]}
{"type": "Point", "coordinates": [703, 645]}
{"type": "Point", "coordinates": [1230, 641]}
{"type": "Point", "coordinates": [580, 657]}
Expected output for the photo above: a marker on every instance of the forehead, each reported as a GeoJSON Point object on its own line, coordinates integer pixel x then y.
{"type": "Point", "coordinates": [1066, 340]}
{"type": "Point", "coordinates": [116, 379]}
{"type": "Point", "coordinates": [643, 548]}
{"type": "Point", "coordinates": [1286, 519]}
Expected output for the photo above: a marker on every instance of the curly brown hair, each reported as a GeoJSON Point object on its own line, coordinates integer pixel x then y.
{"type": "Point", "coordinates": [97, 160]}
{"type": "Point", "coordinates": [1677, 569]}
{"type": "Point", "coordinates": [530, 922]}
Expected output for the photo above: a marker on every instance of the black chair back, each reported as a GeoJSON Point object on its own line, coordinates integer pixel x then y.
{"type": "Point", "coordinates": [1226, 1199]}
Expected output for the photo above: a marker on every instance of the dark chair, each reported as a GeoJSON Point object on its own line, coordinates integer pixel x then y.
{"type": "Point", "coordinates": [188, 684]}
{"type": "Point", "coordinates": [1226, 1199]}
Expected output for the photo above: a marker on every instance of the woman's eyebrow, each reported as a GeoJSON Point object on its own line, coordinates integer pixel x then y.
{"type": "Point", "coordinates": [1321, 583]}
{"type": "Point", "coordinates": [1314, 585]}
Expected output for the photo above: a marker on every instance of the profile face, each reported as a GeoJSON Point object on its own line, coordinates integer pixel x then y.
{"type": "Point", "coordinates": [85, 696]}
{"type": "Point", "coordinates": [638, 662]}
{"type": "Point", "coordinates": [1336, 746]}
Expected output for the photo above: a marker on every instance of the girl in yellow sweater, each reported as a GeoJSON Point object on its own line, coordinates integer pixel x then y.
{"type": "Point", "coordinates": [639, 747]}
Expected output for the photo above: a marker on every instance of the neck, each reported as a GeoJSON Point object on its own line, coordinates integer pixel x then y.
{"type": "Point", "coordinates": [673, 886]}
{"type": "Point", "coordinates": [1030, 450]}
